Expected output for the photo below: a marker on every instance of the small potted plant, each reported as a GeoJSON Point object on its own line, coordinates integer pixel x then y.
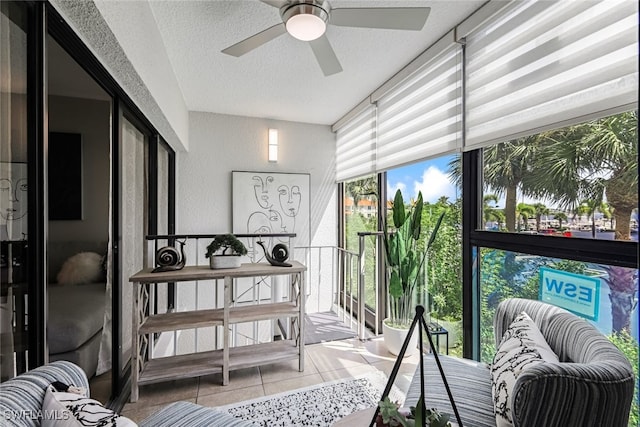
{"type": "Point", "coordinates": [232, 249]}
{"type": "Point", "coordinates": [391, 415]}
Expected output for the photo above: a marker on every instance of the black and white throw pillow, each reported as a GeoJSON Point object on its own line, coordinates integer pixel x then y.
{"type": "Point", "coordinates": [65, 409]}
{"type": "Point", "coordinates": [522, 346]}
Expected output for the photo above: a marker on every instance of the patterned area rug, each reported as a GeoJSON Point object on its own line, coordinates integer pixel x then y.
{"type": "Point", "coordinates": [316, 406]}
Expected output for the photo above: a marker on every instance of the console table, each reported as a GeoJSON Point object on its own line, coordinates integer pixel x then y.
{"type": "Point", "coordinates": [146, 370]}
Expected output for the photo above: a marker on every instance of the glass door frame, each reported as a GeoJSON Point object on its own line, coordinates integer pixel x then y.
{"type": "Point", "coordinates": [45, 20]}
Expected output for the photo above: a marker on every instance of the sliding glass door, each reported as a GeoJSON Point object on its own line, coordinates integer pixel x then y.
{"type": "Point", "coordinates": [14, 168]}
{"type": "Point", "coordinates": [133, 222]}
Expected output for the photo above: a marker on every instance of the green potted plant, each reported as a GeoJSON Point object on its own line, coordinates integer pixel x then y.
{"type": "Point", "coordinates": [226, 242]}
{"type": "Point", "coordinates": [391, 415]}
{"type": "Point", "coordinates": [405, 262]}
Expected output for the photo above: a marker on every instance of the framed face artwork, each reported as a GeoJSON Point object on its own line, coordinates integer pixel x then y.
{"type": "Point", "coordinates": [266, 202]}
{"type": "Point", "coordinates": [13, 201]}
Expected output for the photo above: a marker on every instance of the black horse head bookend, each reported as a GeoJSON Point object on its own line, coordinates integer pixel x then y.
{"type": "Point", "coordinates": [169, 259]}
{"type": "Point", "coordinates": [279, 254]}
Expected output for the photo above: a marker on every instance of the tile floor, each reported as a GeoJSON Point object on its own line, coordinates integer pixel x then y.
{"type": "Point", "coordinates": [324, 362]}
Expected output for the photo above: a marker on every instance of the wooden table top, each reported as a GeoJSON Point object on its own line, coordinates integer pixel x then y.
{"type": "Point", "coordinates": [204, 272]}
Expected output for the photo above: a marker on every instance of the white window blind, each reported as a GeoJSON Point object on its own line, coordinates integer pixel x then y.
{"type": "Point", "coordinates": [355, 146]}
{"type": "Point", "coordinates": [540, 65]}
{"type": "Point", "coordinates": [421, 117]}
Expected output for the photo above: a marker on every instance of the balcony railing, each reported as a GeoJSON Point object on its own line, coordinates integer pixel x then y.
{"type": "Point", "coordinates": [333, 285]}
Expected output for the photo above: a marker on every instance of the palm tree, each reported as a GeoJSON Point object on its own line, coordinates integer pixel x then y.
{"type": "Point", "coordinates": [540, 209]}
{"type": "Point", "coordinates": [607, 212]}
{"type": "Point", "coordinates": [523, 213]}
{"type": "Point", "coordinates": [589, 208]}
{"type": "Point", "coordinates": [614, 149]}
{"type": "Point", "coordinates": [489, 211]}
{"type": "Point", "coordinates": [560, 216]}
{"type": "Point", "coordinates": [362, 188]}
{"type": "Point", "coordinates": [588, 161]}
{"type": "Point", "coordinates": [505, 166]}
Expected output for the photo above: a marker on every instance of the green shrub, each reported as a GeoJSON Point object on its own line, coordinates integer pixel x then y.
{"type": "Point", "coordinates": [629, 346]}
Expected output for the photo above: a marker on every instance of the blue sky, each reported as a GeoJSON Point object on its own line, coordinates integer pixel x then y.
{"type": "Point", "coordinates": [430, 177]}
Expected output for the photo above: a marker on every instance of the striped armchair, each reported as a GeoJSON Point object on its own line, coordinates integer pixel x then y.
{"type": "Point", "coordinates": [21, 401]}
{"type": "Point", "coordinates": [592, 385]}
{"type": "Point", "coordinates": [21, 397]}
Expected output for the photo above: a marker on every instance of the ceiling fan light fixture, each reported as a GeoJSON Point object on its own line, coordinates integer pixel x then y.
{"type": "Point", "coordinates": [305, 22]}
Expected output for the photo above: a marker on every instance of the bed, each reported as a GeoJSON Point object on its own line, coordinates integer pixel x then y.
{"type": "Point", "coordinates": [76, 308]}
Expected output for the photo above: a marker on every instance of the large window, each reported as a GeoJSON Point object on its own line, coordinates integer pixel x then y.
{"type": "Point", "coordinates": [361, 206]}
{"type": "Point", "coordinates": [604, 295]}
{"type": "Point", "coordinates": [442, 296]}
{"type": "Point", "coordinates": [578, 181]}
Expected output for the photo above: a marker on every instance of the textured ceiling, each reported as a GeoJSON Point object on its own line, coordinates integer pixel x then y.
{"type": "Point", "coordinates": [281, 79]}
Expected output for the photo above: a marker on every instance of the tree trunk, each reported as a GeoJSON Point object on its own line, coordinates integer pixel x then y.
{"type": "Point", "coordinates": [621, 308]}
{"type": "Point", "coordinates": [510, 207]}
{"type": "Point", "coordinates": [623, 223]}
{"type": "Point", "coordinates": [624, 199]}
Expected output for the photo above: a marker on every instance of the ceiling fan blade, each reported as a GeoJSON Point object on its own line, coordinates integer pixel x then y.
{"type": "Point", "coordinates": [325, 55]}
{"type": "Point", "coordinates": [275, 3]}
{"type": "Point", "coordinates": [393, 18]}
{"type": "Point", "coordinates": [255, 40]}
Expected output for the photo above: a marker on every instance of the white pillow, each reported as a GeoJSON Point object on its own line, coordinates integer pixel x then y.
{"type": "Point", "coordinates": [83, 267]}
{"type": "Point", "coordinates": [62, 409]}
{"type": "Point", "coordinates": [522, 346]}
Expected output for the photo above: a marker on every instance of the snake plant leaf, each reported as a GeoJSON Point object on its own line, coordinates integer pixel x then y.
{"type": "Point", "coordinates": [399, 214]}
{"type": "Point", "coordinates": [434, 232]}
{"type": "Point", "coordinates": [419, 412]}
{"type": "Point", "coordinates": [416, 218]}
{"type": "Point", "coordinates": [409, 270]}
{"type": "Point", "coordinates": [395, 284]}
{"type": "Point", "coordinates": [401, 247]}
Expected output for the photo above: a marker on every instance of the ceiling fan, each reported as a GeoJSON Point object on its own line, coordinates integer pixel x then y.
{"type": "Point", "coordinates": [307, 20]}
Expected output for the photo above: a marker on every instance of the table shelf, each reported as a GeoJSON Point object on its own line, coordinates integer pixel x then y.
{"type": "Point", "coordinates": [147, 370]}
{"type": "Point", "coordinates": [214, 317]}
{"type": "Point", "coordinates": [211, 362]}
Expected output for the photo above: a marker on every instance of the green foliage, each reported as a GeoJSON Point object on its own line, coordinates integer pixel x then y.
{"type": "Point", "coordinates": [405, 258]}
{"type": "Point", "coordinates": [629, 346]}
{"type": "Point", "coordinates": [228, 242]}
{"type": "Point", "coordinates": [390, 415]}
{"type": "Point", "coordinates": [444, 266]}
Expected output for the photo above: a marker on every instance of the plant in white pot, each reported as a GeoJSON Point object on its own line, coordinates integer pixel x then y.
{"type": "Point", "coordinates": [226, 242]}
{"type": "Point", "coordinates": [405, 262]}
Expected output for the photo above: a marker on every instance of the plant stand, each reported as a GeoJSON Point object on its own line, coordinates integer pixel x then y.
{"type": "Point", "coordinates": [396, 367]}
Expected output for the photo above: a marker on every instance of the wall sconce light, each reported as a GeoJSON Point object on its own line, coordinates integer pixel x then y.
{"type": "Point", "coordinates": [273, 145]}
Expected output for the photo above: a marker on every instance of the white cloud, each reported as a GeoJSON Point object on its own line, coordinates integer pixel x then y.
{"type": "Point", "coordinates": [435, 184]}
{"type": "Point", "coordinates": [392, 188]}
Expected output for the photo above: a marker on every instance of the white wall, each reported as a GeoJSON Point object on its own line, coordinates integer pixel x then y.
{"type": "Point", "coordinates": [221, 143]}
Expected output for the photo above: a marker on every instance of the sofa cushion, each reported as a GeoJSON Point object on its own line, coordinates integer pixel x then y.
{"type": "Point", "coordinates": [76, 313]}
{"type": "Point", "coordinates": [522, 346]}
{"type": "Point", "coordinates": [470, 384]}
{"type": "Point", "coordinates": [64, 409]}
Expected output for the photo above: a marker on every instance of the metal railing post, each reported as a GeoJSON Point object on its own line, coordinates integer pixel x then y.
{"type": "Point", "coordinates": [361, 297]}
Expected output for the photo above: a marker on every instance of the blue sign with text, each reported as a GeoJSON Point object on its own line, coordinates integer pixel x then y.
{"type": "Point", "coordinates": [575, 292]}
